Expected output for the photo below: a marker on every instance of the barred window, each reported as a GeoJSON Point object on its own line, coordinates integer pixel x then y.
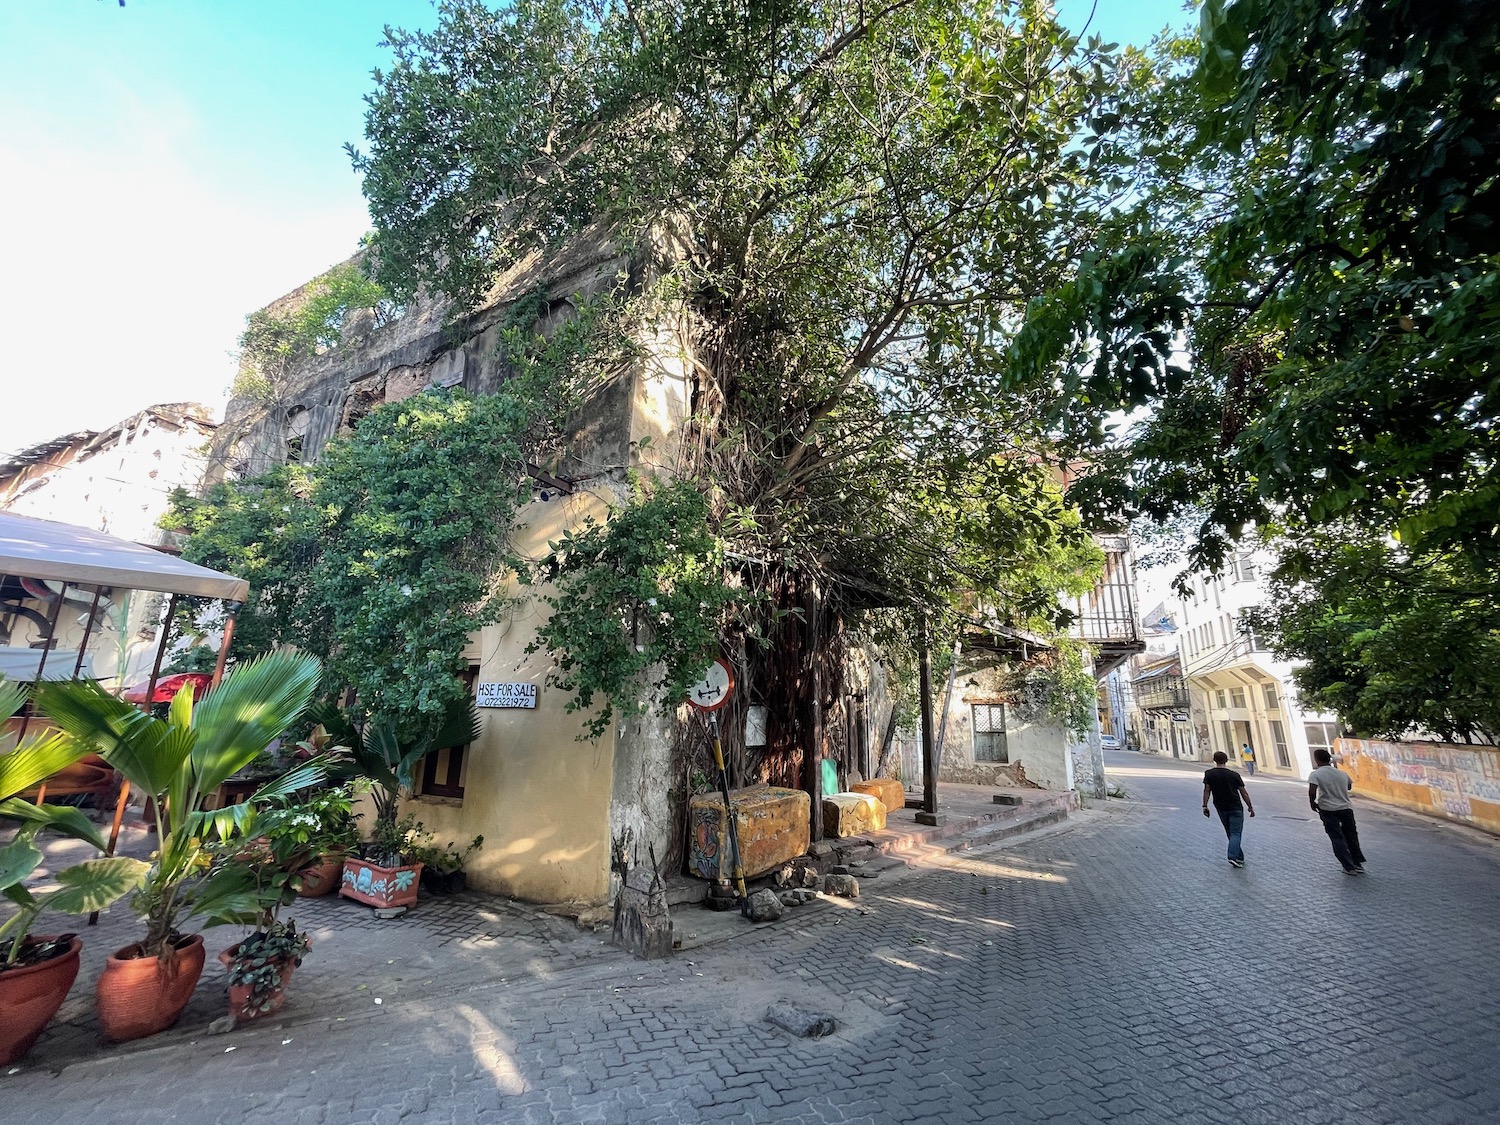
{"type": "Point", "coordinates": [989, 733]}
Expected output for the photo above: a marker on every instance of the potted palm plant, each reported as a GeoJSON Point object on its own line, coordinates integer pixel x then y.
{"type": "Point", "coordinates": [179, 762]}
{"type": "Point", "coordinates": [37, 972]}
{"type": "Point", "coordinates": [385, 874]}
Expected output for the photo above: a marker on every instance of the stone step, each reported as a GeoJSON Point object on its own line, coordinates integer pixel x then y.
{"type": "Point", "coordinates": [958, 832]}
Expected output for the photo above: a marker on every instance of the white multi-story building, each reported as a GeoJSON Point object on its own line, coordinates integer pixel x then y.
{"type": "Point", "coordinates": [1238, 691]}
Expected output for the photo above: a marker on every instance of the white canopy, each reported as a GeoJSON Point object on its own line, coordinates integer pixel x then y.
{"type": "Point", "coordinates": [33, 548]}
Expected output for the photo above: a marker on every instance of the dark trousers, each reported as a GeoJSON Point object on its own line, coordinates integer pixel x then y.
{"type": "Point", "coordinates": [1339, 824]}
{"type": "Point", "coordinates": [1233, 821]}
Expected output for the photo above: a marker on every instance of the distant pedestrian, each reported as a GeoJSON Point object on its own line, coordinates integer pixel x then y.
{"type": "Point", "coordinates": [1247, 755]}
{"type": "Point", "coordinates": [1328, 789]}
{"type": "Point", "coordinates": [1231, 799]}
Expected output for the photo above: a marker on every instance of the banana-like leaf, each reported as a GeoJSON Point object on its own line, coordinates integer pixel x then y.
{"type": "Point", "coordinates": [18, 859]}
{"type": "Point", "coordinates": [12, 695]}
{"type": "Point", "coordinates": [146, 750]}
{"type": "Point", "coordinates": [94, 884]}
{"type": "Point", "coordinates": [314, 771]}
{"type": "Point", "coordinates": [34, 761]}
{"type": "Point", "coordinates": [254, 705]}
{"type": "Point", "coordinates": [60, 818]}
{"type": "Point", "coordinates": [231, 895]}
{"type": "Point", "coordinates": [18, 895]}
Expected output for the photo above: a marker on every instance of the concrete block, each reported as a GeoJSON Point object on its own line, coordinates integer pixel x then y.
{"type": "Point", "coordinates": [772, 825]}
{"type": "Point", "coordinates": [851, 814]}
{"type": "Point", "coordinates": [887, 790]}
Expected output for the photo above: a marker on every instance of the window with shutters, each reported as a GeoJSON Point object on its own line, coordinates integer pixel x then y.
{"type": "Point", "coordinates": [442, 771]}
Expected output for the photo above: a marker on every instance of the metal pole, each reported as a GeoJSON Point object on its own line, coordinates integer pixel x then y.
{"type": "Point", "coordinates": [41, 666]}
{"type": "Point", "coordinates": [161, 651]}
{"type": "Point", "coordinates": [88, 627]}
{"type": "Point", "coordinates": [812, 753]}
{"type": "Point", "coordinates": [734, 833]}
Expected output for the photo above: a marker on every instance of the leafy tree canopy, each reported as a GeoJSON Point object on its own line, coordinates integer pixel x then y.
{"type": "Point", "coordinates": [1319, 185]}
{"type": "Point", "coordinates": [1387, 643]}
{"type": "Point", "coordinates": [861, 202]}
{"type": "Point", "coordinates": [383, 556]}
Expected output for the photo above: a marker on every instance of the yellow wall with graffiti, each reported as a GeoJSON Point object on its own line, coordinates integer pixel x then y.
{"type": "Point", "coordinates": [1444, 779]}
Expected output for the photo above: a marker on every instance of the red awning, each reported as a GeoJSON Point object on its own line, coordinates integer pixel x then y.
{"type": "Point", "coordinates": [168, 686]}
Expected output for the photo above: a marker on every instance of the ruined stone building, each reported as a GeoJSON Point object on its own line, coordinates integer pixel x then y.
{"type": "Point", "coordinates": [549, 804]}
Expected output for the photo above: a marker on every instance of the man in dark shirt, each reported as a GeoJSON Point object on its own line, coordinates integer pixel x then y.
{"type": "Point", "coordinates": [1231, 799]}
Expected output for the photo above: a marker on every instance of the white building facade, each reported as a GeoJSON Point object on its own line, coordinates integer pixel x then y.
{"type": "Point", "coordinates": [1238, 692]}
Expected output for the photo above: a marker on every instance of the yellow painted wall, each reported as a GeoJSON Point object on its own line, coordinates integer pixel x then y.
{"type": "Point", "coordinates": [1445, 779]}
{"type": "Point", "coordinates": [538, 795]}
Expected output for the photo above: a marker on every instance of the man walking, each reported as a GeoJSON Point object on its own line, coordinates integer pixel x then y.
{"type": "Point", "coordinates": [1231, 799]}
{"type": "Point", "coordinates": [1247, 754]}
{"type": "Point", "coordinates": [1328, 789]}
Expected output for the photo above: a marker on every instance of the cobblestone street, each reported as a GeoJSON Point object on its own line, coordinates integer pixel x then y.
{"type": "Point", "coordinates": [1115, 970]}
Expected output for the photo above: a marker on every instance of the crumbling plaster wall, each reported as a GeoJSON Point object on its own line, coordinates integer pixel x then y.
{"type": "Point", "coordinates": [549, 803]}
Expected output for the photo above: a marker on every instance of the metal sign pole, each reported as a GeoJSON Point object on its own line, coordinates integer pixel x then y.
{"type": "Point", "coordinates": [734, 834]}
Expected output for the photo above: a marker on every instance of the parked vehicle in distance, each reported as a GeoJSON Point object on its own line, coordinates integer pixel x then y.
{"type": "Point", "coordinates": [1109, 742]}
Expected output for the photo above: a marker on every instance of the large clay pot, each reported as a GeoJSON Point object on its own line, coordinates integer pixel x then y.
{"type": "Point", "coordinates": [380, 886]}
{"type": "Point", "coordinates": [239, 994]}
{"type": "Point", "coordinates": [139, 996]}
{"type": "Point", "coordinates": [323, 877]}
{"type": "Point", "coordinates": [30, 997]}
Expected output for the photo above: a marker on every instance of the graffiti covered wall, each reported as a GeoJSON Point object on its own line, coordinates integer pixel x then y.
{"type": "Point", "coordinates": [1445, 779]}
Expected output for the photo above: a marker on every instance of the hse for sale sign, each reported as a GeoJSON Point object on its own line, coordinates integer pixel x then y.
{"type": "Point", "coordinates": [505, 695]}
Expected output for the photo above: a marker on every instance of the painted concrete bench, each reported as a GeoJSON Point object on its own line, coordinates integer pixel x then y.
{"type": "Point", "coordinates": [887, 790]}
{"type": "Point", "coordinates": [851, 814]}
{"type": "Point", "coordinates": [772, 824]}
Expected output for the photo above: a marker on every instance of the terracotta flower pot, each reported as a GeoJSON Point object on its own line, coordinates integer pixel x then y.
{"type": "Point", "coordinates": [380, 886]}
{"type": "Point", "coordinates": [239, 994]}
{"type": "Point", "coordinates": [30, 997]}
{"type": "Point", "coordinates": [141, 995]}
{"type": "Point", "coordinates": [323, 877]}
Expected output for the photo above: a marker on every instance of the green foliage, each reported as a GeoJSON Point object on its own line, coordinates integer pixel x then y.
{"type": "Point", "coordinates": [1389, 643]}
{"type": "Point", "coordinates": [275, 342]}
{"type": "Point", "coordinates": [85, 887]}
{"type": "Point", "coordinates": [849, 208]}
{"type": "Point", "coordinates": [178, 762]}
{"type": "Point", "coordinates": [416, 514]}
{"type": "Point", "coordinates": [442, 859]}
{"type": "Point", "coordinates": [270, 532]}
{"type": "Point", "coordinates": [1057, 684]}
{"type": "Point", "coordinates": [1317, 190]}
{"type": "Point", "coordinates": [304, 827]}
{"type": "Point", "coordinates": [639, 605]}
{"type": "Point", "coordinates": [384, 556]}
{"type": "Point", "coordinates": [260, 960]}
{"type": "Point", "coordinates": [388, 758]}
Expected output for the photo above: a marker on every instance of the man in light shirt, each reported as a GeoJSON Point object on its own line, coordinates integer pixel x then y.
{"type": "Point", "coordinates": [1328, 792]}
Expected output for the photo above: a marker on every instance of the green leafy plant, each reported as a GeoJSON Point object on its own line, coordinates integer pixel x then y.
{"type": "Point", "coordinates": [444, 859]}
{"type": "Point", "coordinates": [179, 762]}
{"type": "Point", "coordinates": [379, 753]}
{"type": "Point", "coordinates": [262, 959]}
{"type": "Point", "coordinates": [639, 604]}
{"type": "Point", "coordinates": [85, 887]}
{"type": "Point", "coordinates": [302, 828]}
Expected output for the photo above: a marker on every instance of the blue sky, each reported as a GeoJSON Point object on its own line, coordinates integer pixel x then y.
{"type": "Point", "coordinates": [168, 166]}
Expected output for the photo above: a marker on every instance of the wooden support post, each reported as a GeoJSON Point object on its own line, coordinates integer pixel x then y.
{"type": "Point", "coordinates": [232, 609]}
{"type": "Point", "coordinates": [812, 753]}
{"type": "Point", "coordinates": [928, 813]}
